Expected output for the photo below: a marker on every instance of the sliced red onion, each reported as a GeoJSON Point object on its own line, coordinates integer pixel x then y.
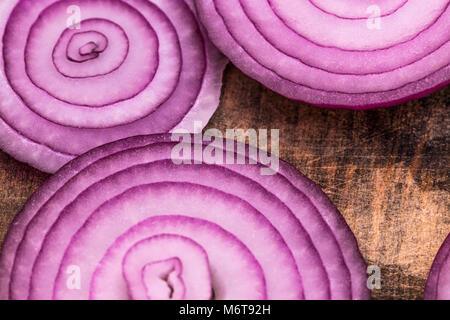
{"type": "Point", "coordinates": [348, 53]}
{"type": "Point", "coordinates": [133, 67]}
{"type": "Point", "coordinates": [438, 284]}
{"type": "Point", "coordinates": [134, 224]}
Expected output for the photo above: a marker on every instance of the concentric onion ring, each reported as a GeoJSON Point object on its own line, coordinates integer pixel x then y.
{"type": "Point", "coordinates": [133, 67]}
{"type": "Point", "coordinates": [336, 53]}
{"type": "Point", "coordinates": [137, 225]}
{"type": "Point", "coordinates": [438, 284]}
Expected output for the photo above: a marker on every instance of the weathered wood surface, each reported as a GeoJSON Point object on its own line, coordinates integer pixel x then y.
{"type": "Point", "coordinates": [387, 170]}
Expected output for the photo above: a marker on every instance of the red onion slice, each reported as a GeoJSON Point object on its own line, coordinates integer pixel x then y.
{"type": "Point", "coordinates": [332, 54]}
{"type": "Point", "coordinates": [133, 67]}
{"type": "Point", "coordinates": [250, 236]}
{"type": "Point", "coordinates": [438, 284]}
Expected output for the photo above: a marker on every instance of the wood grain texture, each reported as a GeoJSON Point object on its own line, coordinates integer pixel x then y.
{"type": "Point", "coordinates": [387, 170]}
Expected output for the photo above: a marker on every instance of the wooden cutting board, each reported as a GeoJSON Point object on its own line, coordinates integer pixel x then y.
{"type": "Point", "coordinates": [387, 170]}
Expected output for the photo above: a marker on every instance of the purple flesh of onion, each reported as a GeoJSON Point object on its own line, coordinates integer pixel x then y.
{"type": "Point", "coordinates": [132, 223]}
{"type": "Point", "coordinates": [132, 67]}
{"type": "Point", "coordinates": [347, 53]}
{"type": "Point", "coordinates": [438, 284]}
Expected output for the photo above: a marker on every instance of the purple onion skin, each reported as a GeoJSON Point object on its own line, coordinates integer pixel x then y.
{"type": "Point", "coordinates": [338, 56]}
{"type": "Point", "coordinates": [438, 284]}
{"type": "Point", "coordinates": [132, 68]}
{"type": "Point", "coordinates": [214, 230]}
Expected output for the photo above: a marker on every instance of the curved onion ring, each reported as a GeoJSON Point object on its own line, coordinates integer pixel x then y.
{"type": "Point", "coordinates": [438, 284]}
{"type": "Point", "coordinates": [134, 224]}
{"type": "Point", "coordinates": [346, 53]}
{"type": "Point", "coordinates": [133, 67]}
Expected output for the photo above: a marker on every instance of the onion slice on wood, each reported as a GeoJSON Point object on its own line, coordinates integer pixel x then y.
{"type": "Point", "coordinates": [350, 53]}
{"type": "Point", "coordinates": [79, 74]}
{"type": "Point", "coordinates": [125, 220]}
{"type": "Point", "coordinates": [438, 284]}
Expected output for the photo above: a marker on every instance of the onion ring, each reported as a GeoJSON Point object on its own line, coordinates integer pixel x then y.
{"type": "Point", "coordinates": [347, 54]}
{"type": "Point", "coordinates": [221, 231]}
{"type": "Point", "coordinates": [133, 67]}
{"type": "Point", "coordinates": [438, 284]}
